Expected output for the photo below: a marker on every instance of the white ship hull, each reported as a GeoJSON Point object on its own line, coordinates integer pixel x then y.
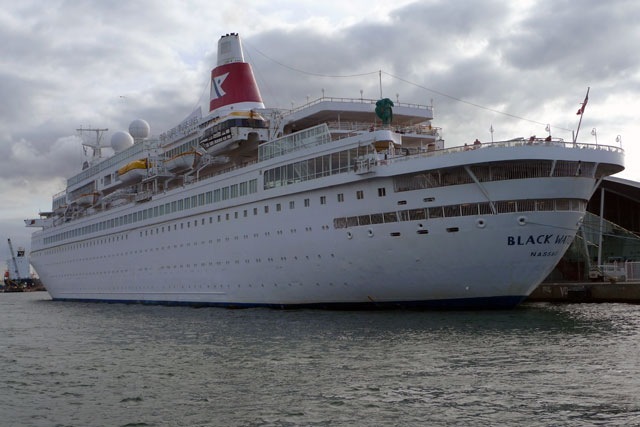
{"type": "Point", "coordinates": [297, 257]}
{"type": "Point", "coordinates": [336, 204]}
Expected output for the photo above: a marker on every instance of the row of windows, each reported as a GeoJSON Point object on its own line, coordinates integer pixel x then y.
{"type": "Point", "coordinates": [217, 195]}
{"type": "Point", "coordinates": [343, 161]}
{"type": "Point", "coordinates": [307, 138]}
{"type": "Point", "coordinates": [329, 164]}
{"type": "Point", "coordinates": [467, 209]}
{"type": "Point", "coordinates": [166, 208]}
{"type": "Point", "coordinates": [499, 171]}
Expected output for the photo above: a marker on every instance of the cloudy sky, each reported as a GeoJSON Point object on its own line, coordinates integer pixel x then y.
{"type": "Point", "coordinates": [513, 66]}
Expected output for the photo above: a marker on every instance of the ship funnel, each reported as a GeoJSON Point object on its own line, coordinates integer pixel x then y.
{"type": "Point", "coordinates": [233, 87]}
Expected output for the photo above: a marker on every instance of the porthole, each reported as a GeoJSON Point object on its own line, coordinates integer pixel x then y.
{"type": "Point", "coordinates": [370, 232]}
{"type": "Point", "coordinates": [522, 220]}
{"type": "Point", "coordinates": [349, 235]}
{"type": "Point", "coordinates": [480, 222]}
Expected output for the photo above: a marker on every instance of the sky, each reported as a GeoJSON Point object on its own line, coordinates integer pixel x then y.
{"type": "Point", "coordinates": [514, 67]}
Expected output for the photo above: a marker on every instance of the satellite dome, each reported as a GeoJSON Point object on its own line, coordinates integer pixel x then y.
{"type": "Point", "coordinates": [121, 141]}
{"type": "Point", "coordinates": [139, 129]}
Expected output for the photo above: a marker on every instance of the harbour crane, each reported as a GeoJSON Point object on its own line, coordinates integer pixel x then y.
{"type": "Point", "coordinates": [13, 259]}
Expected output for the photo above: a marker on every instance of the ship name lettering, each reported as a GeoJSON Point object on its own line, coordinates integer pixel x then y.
{"type": "Point", "coordinates": [550, 253]}
{"type": "Point", "coordinates": [541, 239]}
{"type": "Point", "coordinates": [563, 238]}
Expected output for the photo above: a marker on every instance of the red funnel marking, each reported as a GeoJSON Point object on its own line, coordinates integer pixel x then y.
{"type": "Point", "coordinates": [231, 84]}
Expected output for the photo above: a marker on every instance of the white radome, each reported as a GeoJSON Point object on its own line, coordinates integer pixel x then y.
{"type": "Point", "coordinates": [139, 129]}
{"type": "Point", "coordinates": [121, 141]}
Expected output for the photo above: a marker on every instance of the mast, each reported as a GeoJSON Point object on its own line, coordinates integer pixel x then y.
{"type": "Point", "coordinates": [97, 146]}
{"type": "Point", "coordinates": [581, 113]}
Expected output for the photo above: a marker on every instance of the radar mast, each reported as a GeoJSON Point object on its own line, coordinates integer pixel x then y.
{"type": "Point", "coordinates": [95, 146]}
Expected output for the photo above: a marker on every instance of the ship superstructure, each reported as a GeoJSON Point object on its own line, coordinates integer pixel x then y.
{"type": "Point", "coordinates": [339, 203]}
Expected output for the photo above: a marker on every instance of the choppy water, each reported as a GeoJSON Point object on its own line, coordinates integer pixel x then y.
{"type": "Point", "coordinates": [74, 364]}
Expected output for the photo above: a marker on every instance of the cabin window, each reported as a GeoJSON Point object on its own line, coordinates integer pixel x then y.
{"type": "Point", "coordinates": [253, 186]}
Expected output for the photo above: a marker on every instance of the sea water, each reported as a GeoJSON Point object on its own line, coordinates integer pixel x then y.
{"type": "Point", "coordinates": [77, 364]}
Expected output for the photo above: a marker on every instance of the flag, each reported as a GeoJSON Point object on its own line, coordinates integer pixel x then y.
{"type": "Point", "coordinates": [584, 104]}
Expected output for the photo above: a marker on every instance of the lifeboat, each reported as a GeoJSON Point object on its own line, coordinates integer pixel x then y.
{"type": "Point", "coordinates": [87, 199]}
{"type": "Point", "coordinates": [134, 171]}
{"type": "Point", "coordinates": [182, 162]}
{"type": "Point", "coordinates": [60, 209]}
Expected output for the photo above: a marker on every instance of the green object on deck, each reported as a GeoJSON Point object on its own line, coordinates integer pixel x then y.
{"type": "Point", "coordinates": [384, 110]}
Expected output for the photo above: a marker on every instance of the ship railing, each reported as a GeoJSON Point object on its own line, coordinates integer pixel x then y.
{"type": "Point", "coordinates": [356, 101]}
{"type": "Point", "coordinates": [353, 127]}
{"type": "Point", "coordinates": [407, 153]}
{"type": "Point", "coordinates": [60, 194]}
{"type": "Point", "coordinates": [555, 142]}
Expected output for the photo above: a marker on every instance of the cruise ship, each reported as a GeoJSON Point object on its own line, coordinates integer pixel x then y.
{"type": "Point", "coordinates": [341, 203]}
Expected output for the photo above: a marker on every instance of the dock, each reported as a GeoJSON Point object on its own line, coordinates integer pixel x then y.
{"type": "Point", "coordinates": [587, 292]}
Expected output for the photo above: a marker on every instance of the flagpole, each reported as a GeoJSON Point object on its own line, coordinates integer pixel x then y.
{"type": "Point", "coordinates": [581, 113]}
